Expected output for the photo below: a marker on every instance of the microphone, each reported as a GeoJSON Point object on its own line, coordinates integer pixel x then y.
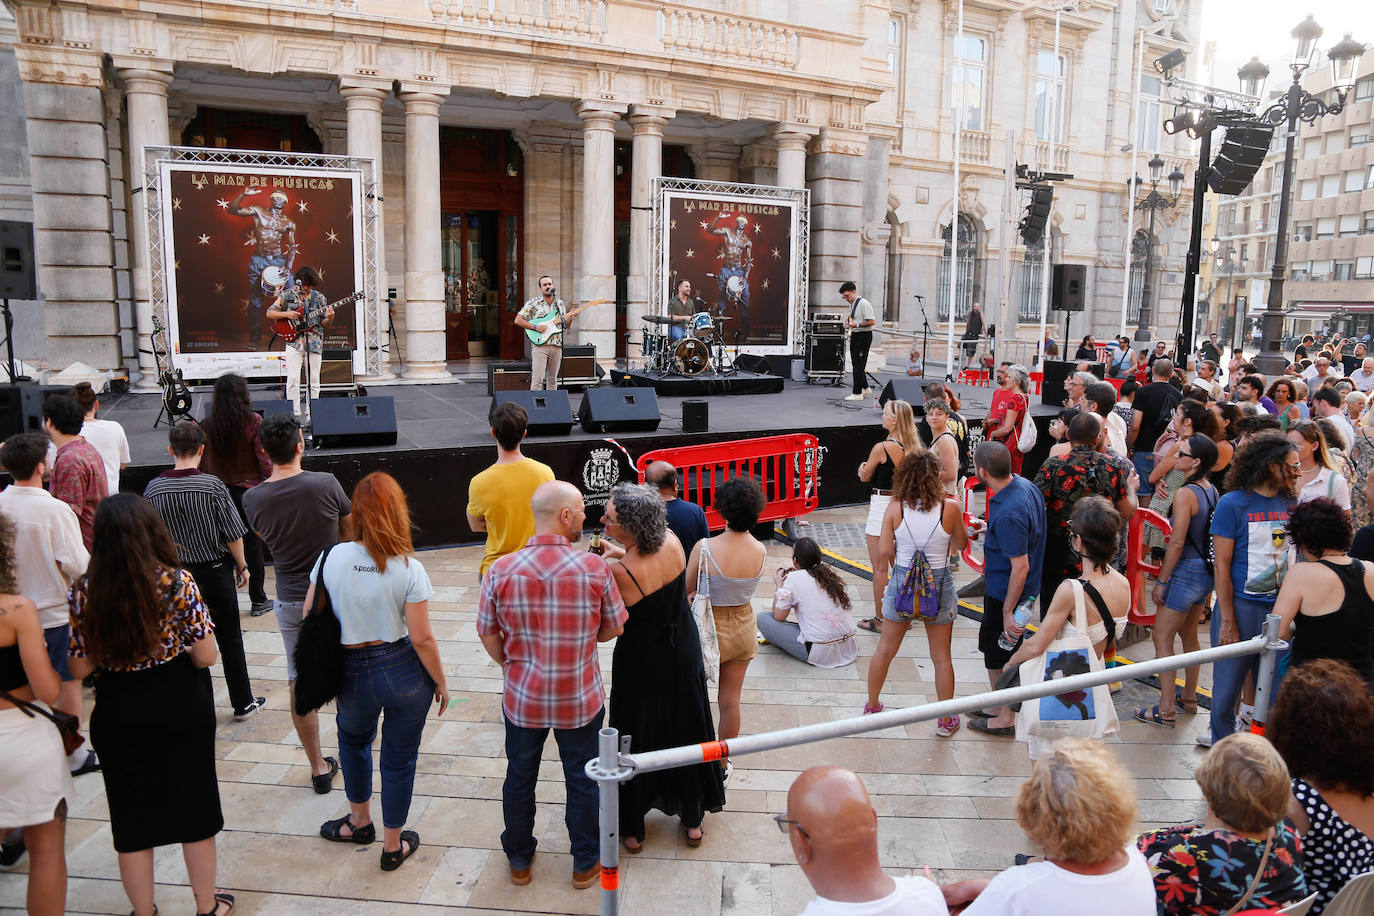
{"type": "Point", "coordinates": [553, 291]}
{"type": "Point", "coordinates": [713, 276]}
{"type": "Point", "coordinates": [919, 296]}
{"type": "Point", "coordinates": [698, 299]}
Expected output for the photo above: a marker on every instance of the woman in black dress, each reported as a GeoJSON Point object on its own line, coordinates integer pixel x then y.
{"type": "Point", "coordinates": [658, 681]}
{"type": "Point", "coordinates": [140, 626]}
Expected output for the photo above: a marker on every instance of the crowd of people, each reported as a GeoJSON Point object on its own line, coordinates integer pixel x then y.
{"type": "Point", "coordinates": [1265, 485]}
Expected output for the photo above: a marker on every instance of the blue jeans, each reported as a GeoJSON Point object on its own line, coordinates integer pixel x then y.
{"type": "Point", "coordinates": [1228, 675]}
{"type": "Point", "coordinates": [1144, 463]}
{"type": "Point", "coordinates": [386, 678]}
{"type": "Point", "coordinates": [524, 748]}
{"type": "Point", "coordinates": [676, 332]}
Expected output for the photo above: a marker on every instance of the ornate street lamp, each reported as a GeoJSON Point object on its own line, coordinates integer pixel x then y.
{"type": "Point", "coordinates": [1152, 202]}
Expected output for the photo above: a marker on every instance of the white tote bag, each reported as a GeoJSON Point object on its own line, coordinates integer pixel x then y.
{"type": "Point", "coordinates": [1078, 714]}
{"type": "Point", "coordinates": [705, 618]}
{"type": "Point", "coordinates": [1026, 440]}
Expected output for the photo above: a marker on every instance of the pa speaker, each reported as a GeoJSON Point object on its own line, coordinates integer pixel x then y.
{"type": "Point", "coordinates": [1057, 372]}
{"type": "Point", "coordinates": [11, 411]}
{"type": "Point", "coordinates": [18, 272]}
{"type": "Point", "coordinates": [549, 412]}
{"type": "Point", "coordinates": [619, 410]}
{"type": "Point", "coordinates": [695, 416]}
{"type": "Point", "coordinates": [911, 390]}
{"type": "Point", "coordinates": [752, 362]}
{"type": "Point", "coordinates": [31, 404]}
{"type": "Point", "coordinates": [1037, 214]}
{"type": "Point", "coordinates": [270, 407]}
{"type": "Point", "coordinates": [1069, 280]}
{"type": "Point", "coordinates": [1242, 153]}
{"type": "Point", "coordinates": [825, 354]}
{"type": "Point", "coordinates": [342, 422]}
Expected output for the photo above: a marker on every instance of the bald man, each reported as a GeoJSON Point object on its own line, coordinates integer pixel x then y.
{"type": "Point", "coordinates": [543, 610]}
{"type": "Point", "coordinates": [686, 520]}
{"type": "Point", "coordinates": [834, 833]}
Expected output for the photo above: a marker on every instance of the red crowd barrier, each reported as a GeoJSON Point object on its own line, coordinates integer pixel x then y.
{"type": "Point", "coordinates": [786, 467]}
{"type": "Point", "coordinates": [974, 563]}
{"type": "Point", "coordinates": [1137, 566]}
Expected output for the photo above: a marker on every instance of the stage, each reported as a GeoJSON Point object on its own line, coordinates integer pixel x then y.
{"type": "Point", "coordinates": [704, 384]}
{"type": "Point", "coordinates": [443, 440]}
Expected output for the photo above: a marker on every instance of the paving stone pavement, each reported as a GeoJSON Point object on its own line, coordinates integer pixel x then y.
{"type": "Point", "coordinates": [946, 804]}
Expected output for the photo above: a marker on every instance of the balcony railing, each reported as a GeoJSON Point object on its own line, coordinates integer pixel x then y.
{"type": "Point", "coordinates": [702, 33]}
{"type": "Point", "coordinates": [557, 18]}
{"type": "Point", "coordinates": [1060, 162]}
{"type": "Point", "coordinates": [974, 146]}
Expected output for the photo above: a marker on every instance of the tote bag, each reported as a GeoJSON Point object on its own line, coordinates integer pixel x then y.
{"type": "Point", "coordinates": [705, 618]}
{"type": "Point", "coordinates": [1077, 714]}
{"type": "Point", "coordinates": [1026, 440]}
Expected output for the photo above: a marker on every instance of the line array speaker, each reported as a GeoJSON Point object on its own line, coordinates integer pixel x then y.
{"type": "Point", "coordinates": [18, 271]}
{"type": "Point", "coordinates": [1242, 153]}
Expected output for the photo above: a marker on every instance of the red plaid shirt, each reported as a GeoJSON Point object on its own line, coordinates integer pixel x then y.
{"type": "Point", "coordinates": [549, 600]}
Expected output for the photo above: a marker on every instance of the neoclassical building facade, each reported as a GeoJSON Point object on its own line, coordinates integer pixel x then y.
{"type": "Point", "coordinates": [516, 138]}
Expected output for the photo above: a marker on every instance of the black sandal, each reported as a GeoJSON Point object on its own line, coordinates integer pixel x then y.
{"type": "Point", "coordinates": [392, 860]}
{"type": "Point", "coordinates": [333, 830]}
{"type": "Point", "coordinates": [226, 899]}
{"type": "Point", "coordinates": [323, 782]}
{"type": "Point", "coordinates": [872, 624]}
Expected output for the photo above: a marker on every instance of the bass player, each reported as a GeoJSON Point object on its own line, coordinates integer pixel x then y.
{"type": "Point", "coordinates": [305, 305]}
{"type": "Point", "coordinates": [545, 313]}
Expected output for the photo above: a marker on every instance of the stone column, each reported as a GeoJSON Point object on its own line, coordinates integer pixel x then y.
{"type": "Point", "coordinates": [145, 94]}
{"type": "Point", "coordinates": [648, 124]}
{"type": "Point", "coordinates": [791, 155]}
{"type": "Point", "coordinates": [873, 279]}
{"type": "Point", "coordinates": [717, 160]}
{"type": "Point", "coordinates": [364, 100]}
{"type": "Point", "coordinates": [597, 326]}
{"type": "Point", "coordinates": [834, 173]}
{"type": "Point", "coordinates": [424, 284]}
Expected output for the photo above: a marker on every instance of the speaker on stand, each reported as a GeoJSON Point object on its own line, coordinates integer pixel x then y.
{"type": "Point", "coordinates": [18, 278]}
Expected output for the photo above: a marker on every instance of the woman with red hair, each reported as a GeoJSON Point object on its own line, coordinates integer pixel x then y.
{"type": "Point", "coordinates": [380, 593]}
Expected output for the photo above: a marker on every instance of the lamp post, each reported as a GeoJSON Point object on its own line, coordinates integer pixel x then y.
{"type": "Point", "coordinates": [1296, 105]}
{"type": "Point", "coordinates": [1227, 259]}
{"type": "Point", "coordinates": [1152, 202]}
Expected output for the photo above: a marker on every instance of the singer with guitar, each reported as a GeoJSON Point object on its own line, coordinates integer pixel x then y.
{"type": "Point", "coordinates": [307, 309]}
{"type": "Point", "coordinates": [544, 319]}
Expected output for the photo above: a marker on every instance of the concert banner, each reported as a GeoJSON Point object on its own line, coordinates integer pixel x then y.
{"type": "Point", "coordinates": [740, 253]}
{"type": "Point", "coordinates": [233, 235]}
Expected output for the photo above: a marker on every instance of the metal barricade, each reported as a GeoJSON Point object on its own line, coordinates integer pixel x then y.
{"type": "Point", "coordinates": [615, 764]}
{"type": "Point", "coordinates": [1137, 566]}
{"type": "Point", "coordinates": [787, 468]}
{"type": "Point", "coordinates": [974, 563]}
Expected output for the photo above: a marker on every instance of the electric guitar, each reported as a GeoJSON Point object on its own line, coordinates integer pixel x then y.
{"type": "Point", "coordinates": [554, 321]}
{"type": "Point", "coordinates": [288, 329]}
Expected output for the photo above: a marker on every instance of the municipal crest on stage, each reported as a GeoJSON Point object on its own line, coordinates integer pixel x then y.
{"type": "Point", "coordinates": [600, 473]}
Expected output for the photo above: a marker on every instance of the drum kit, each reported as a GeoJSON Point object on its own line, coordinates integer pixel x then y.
{"type": "Point", "coordinates": [701, 350]}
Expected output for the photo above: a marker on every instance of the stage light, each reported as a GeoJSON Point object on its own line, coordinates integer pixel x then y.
{"type": "Point", "coordinates": [1252, 76]}
{"type": "Point", "coordinates": [1345, 61]}
{"type": "Point", "coordinates": [1171, 61]}
{"type": "Point", "coordinates": [1182, 120]}
{"type": "Point", "coordinates": [1037, 214]}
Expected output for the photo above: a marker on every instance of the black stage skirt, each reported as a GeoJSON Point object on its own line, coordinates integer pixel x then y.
{"type": "Point", "coordinates": [155, 733]}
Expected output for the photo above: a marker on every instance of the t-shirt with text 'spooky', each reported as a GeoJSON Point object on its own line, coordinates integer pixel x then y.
{"type": "Point", "coordinates": [1259, 527]}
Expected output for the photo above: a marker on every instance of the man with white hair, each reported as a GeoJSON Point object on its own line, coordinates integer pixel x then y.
{"type": "Point", "coordinates": [1075, 385]}
{"type": "Point", "coordinates": [1363, 377]}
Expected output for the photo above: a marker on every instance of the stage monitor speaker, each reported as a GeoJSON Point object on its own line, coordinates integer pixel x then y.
{"type": "Point", "coordinates": [911, 390]}
{"type": "Point", "coordinates": [18, 272]}
{"type": "Point", "coordinates": [780, 364]}
{"type": "Point", "coordinates": [695, 416]}
{"type": "Point", "coordinates": [752, 362]}
{"type": "Point", "coordinates": [825, 354]}
{"type": "Point", "coordinates": [508, 377]}
{"type": "Point", "coordinates": [549, 412]}
{"type": "Point", "coordinates": [343, 422]}
{"type": "Point", "coordinates": [619, 410]}
{"type": "Point", "coordinates": [1070, 281]}
{"type": "Point", "coordinates": [1057, 371]}
{"type": "Point", "coordinates": [1242, 152]}
{"type": "Point", "coordinates": [270, 407]}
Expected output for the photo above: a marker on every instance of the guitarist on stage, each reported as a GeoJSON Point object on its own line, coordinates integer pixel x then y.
{"type": "Point", "coordinates": [307, 306]}
{"type": "Point", "coordinates": [543, 313]}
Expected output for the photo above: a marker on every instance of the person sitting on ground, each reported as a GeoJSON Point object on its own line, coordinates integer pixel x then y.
{"type": "Point", "coordinates": [914, 365]}
{"type": "Point", "coordinates": [686, 519]}
{"type": "Point", "coordinates": [823, 634]}
{"type": "Point", "coordinates": [834, 833]}
{"type": "Point", "coordinates": [1079, 806]}
{"type": "Point", "coordinates": [1320, 725]}
{"type": "Point", "coordinates": [1244, 854]}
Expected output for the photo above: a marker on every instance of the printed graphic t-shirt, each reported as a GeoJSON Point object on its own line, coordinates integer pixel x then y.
{"type": "Point", "coordinates": [1259, 527]}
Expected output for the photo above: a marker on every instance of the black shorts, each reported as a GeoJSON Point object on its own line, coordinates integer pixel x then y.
{"type": "Point", "coordinates": [994, 656]}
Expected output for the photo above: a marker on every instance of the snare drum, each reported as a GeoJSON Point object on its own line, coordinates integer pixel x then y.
{"type": "Point", "coordinates": [701, 326]}
{"type": "Point", "coordinates": [691, 356]}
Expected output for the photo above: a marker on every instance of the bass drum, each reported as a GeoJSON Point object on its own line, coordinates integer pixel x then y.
{"type": "Point", "coordinates": [691, 356]}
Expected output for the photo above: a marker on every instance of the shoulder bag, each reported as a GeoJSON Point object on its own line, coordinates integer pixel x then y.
{"type": "Point", "coordinates": [1026, 440]}
{"type": "Point", "coordinates": [705, 617]}
{"type": "Point", "coordinates": [320, 654]}
{"type": "Point", "coordinates": [68, 725]}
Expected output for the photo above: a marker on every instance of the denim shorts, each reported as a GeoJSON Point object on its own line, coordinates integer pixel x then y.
{"type": "Point", "coordinates": [944, 585]}
{"type": "Point", "coordinates": [58, 639]}
{"type": "Point", "coordinates": [1188, 585]}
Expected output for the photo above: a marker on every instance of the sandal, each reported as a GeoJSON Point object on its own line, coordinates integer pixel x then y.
{"type": "Point", "coordinates": [392, 860]}
{"type": "Point", "coordinates": [333, 830]}
{"type": "Point", "coordinates": [872, 624]}
{"type": "Point", "coordinates": [632, 850]}
{"type": "Point", "coordinates": [872, 709]}
{"type": "Point", "coordinates": [694, 843]}
{"type": "Point", "coordinates": [226, 899]}
{"type": "Point", "coordinates": [323, 782]}
{"type": "Point", "coordinates": [1190, 707]}
{"type": "Point", "coordinates": [1150, 715]}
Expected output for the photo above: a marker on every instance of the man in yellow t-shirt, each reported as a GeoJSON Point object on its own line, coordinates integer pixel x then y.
{"type": "Point", "coordinates": [499, 497]}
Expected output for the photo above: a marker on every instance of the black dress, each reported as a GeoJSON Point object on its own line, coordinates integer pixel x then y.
{"type": "Point", "coordinates": [658, 698]}
{"type": "Point", "coordinates": [1347, 633]}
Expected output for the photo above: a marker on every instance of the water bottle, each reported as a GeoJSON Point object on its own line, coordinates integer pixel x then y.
{"type": "Point", "coordinates": [1021, 616]}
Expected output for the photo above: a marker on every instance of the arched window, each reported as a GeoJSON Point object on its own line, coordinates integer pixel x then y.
{"type": "Point", "coordinates": [968, 246]}
{"type": "Point", "coordinates": [1140, 252]}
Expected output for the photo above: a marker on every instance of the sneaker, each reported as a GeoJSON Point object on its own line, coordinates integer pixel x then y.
{"type": "Point", "coordinates": [729, 768]}
{"type": "Point", "coordinates": [1244, 720]}
{"type": "Point", "coordinates": [247, 711]}
{"type": "Point", "coordinates": [946, 726]}
{"type": "Point", "coordinates": [258, 608]}
{"type": "Point", "coordinates": [854, 397]}
{"type": "Point", "coordinates": [1204, 739]}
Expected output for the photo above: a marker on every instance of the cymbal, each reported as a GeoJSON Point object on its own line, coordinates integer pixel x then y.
{"type": "Point", "coordinates": [658, 319]}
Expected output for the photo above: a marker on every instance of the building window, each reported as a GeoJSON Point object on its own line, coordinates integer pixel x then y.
{"type": "Point", "coordinates": [1331, 185]}
{"type": "Point", "coordinates": [1364, 89]}
{"type": "Point", "coordinates": [1311, 148]}
{"type": "Point", "coordinates": [1307, 188]}
{"type": "Point", "coordinates": [969, 83]}
{"type": "Point", "coordinates": [1321, 270]}
{"type": "Point", "coordinates": [1140, 254]}
{"type": "Point", "coordinates": [968, 246]}
{"type": "Point", "coordinates": [1333, 143]}
{"type": "Point", "coordinates": [1032, 274]}
{"type": "Point", "coordinates": [1369, 178]}
{"type": "Point", "coordinates": [1303, 233]}
{"type": "Point", "coordinates": [1368, 224]}
{"type": "Point", "coordinates": [1364, 268]}
{"type": "Point", "coordinates": [1326, 227]}
{"type": "Point", "coordinates": [1345, 270]}
{"type": "Point", "coordinates": [1359, 136]}
{"type": "Point", "coordinates": [1049, 72]}
{"type": "Point", "coordinates": [1350, 225]}
{"type": "Point", "coordinates": [1149, 117]}
{"type": "Point", "coordinates": [1354, 181]}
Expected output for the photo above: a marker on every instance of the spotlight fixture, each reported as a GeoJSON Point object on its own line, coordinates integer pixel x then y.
{"type": "Point", "coordinates": [1171, 61]}
{"type": "Point", "coordinates": [1182, 120]}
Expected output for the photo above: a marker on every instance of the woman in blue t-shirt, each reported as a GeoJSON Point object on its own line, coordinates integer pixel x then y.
{"type": "Point", "coordinates": [1250, 546]}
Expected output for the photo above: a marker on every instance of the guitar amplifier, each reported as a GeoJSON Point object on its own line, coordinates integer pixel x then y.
{"type": "Point", "coordinates": [578, 367]}
{"type": "Point", "coordinates": [508, 377]}
{"type": "Point", "coordinates": [336, 372]}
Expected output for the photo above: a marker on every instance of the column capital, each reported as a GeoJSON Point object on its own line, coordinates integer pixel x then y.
{"type": "Point", "coordinates": [149, 75]}
{"type": "Point", "coordinates": [650, 118]}
{"type": "Point", "coordinates": [792, 136]}
{"type": "Point", "coordinates": [600, 114]}
{"type": "Point", "coordinates": [420, 94]}
{"type": "Point", "coordinates": [362, 91]}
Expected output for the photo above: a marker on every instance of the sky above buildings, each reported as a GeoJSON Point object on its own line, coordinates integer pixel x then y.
{"type": "Point", "coordinates": [1243, 29]}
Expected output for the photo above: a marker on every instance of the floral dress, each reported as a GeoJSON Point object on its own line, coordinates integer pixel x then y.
{"type": "Point", "coordinates": [1362, 456]}
{"type": "Point", "coordinates": [1006, 401]}
{"type": "Point", "coordinates": [1206, 872]}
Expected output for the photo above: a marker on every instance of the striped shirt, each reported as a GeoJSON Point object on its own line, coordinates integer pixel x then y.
{"type": "Point", "coordinates": [549, 600]}
{"type": "Point", "coordinates": [198, 512]}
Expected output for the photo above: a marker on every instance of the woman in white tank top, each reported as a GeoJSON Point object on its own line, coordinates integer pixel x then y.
{"type": "Point", "coordinates": [920, 518]}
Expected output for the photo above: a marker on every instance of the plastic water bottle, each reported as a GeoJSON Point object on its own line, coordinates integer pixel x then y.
{"type": "Point", "coordinates": [1021, 616]}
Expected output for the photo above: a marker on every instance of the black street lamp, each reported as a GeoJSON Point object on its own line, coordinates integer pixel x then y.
{"type": "Point", "coordinates": [1227, 259]}
{"type": "Point", "coordinates": [1296, 105]}
{"type": "Point", "coordinates": [1153, 202]}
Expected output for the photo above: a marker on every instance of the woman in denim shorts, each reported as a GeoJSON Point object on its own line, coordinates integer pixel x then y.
{"type": "Point", "coordinates": [921, 518]}
{"type": "Point", "coordinates": [1185, 577]}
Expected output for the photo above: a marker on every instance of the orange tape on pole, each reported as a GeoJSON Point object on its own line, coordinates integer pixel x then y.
{"type": "Point", "coordinates": [610, 878]}
{"type": "Point", "coordinates": [714, 750]}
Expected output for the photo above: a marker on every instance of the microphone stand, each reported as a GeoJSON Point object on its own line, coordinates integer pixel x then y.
{"type": "Point", "coordinates": [925, 333]}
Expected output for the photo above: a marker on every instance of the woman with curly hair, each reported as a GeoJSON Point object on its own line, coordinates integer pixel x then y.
{"type": "Point", "coordinates": [1331, 599]}
{"type": "Point", "coordinates": [1285, 397]}
{"type": "Point", "coordinates": [877, 470]}
{"type": "Point", "coordinates": [658, 681]}
{"type": "Point", "coordinates": [823, 634]}
{"type": "Point", "coordinates": [920, 520]}
{"type": "Point", "coordinates": [1250, 559]}
{"type": "Point", "coordinates": [234, 455]}
{"type": "Point", "coordinates": [1320, 726]}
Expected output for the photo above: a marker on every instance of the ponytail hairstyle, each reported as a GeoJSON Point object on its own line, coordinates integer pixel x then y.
{"type": "Point", "coordinates": [807, 555]}
{"type": "Point", "coordinates": [1203, 420]}
{"type": "Point", "coordinates": [1205, 451]}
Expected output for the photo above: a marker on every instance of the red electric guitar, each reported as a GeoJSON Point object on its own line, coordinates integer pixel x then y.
{"type": "Point", "coordinates": [288, 329]}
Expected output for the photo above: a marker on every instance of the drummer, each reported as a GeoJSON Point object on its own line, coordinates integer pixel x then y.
{"type": "Point", "coordinates": [681, 308]}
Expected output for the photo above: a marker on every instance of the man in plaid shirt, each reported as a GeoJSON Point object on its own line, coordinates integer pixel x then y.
{"type": "Point", "coordinates": [544, 608]}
